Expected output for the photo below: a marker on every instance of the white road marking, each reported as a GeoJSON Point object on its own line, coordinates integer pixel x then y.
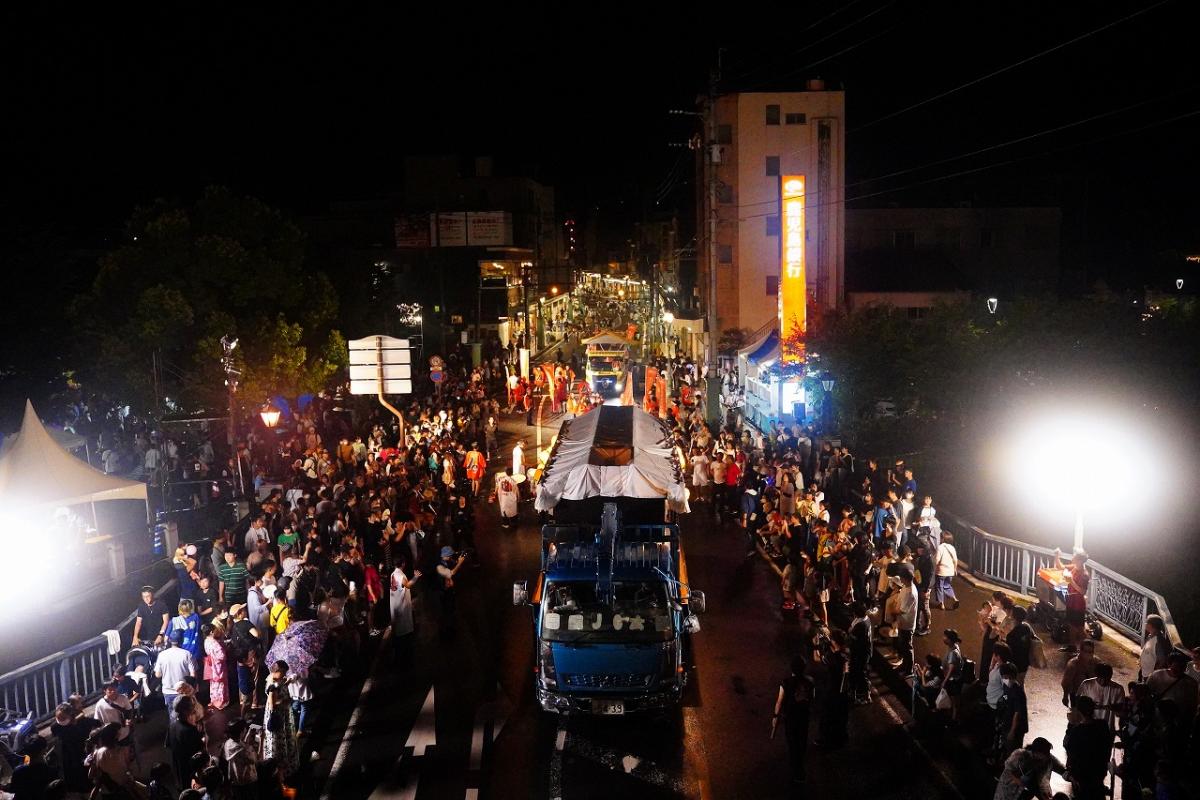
{"type": "Point", "coordinates": [695, 757]}
{"type": "Point", "coordinates": [424, 730]}
{"type": "Point", "coordinates": [503, 709]}
{"type": "Point", "coordinates": [556, 760]}
{"type": "Point", "coordinates": [885, 703]}
{"type": "Point", "coordinates": [643, 769]}
{"type": "Point", "coordinates": [477, 743]}
{"type": "Point", "coordinates": [406, 792]}
{"type": "Point", "coordinates": [352, 725]}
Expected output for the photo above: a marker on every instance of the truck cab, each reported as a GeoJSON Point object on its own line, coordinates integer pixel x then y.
{"type": "Point", "coordinates": [612, 614]}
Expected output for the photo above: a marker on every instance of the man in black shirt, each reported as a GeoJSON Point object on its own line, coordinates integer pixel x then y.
{"type": "Point", "coordinates": [1089, 748]}
{"type": "Point", "coordinates": [29, 781]}
{"type": "Point", "coordinates": [152, 619]}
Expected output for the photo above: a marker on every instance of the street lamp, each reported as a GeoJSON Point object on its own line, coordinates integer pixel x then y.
{"type": "Point", "coordinates": [827, 385]}
{"type": "Point", "coordinates": [1179, 283]}
{"type": "Point", "coordinates": [270, 416]}
{"type": "Point", "coordinates": [1086, 464]}
{"type": "Point", "coordinates": [992, 304]}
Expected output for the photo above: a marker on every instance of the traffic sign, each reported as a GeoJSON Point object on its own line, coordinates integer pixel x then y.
{"type": "Point", "coordinates": [372, 356]}
{"type": "Point", "coordinates": [380, 365]}
{"type": "Point", "coordinates": [370, 372]}
{"type": "Point", "coordinates": [389, 387]}
{"type": "Point", "coordinates": [374, 342]}
{"type": "Point", "coordinates": [437, 376]}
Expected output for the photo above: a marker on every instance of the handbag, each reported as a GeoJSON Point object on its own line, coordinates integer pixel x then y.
{"type": "Point", "coordinates": [1037, 654]}
{"type": "Point", "coordinates": [943, 701]}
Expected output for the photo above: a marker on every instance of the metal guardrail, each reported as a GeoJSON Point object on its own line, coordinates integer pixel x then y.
{"type": "Point", "coordinates": [1122, 603]}
{"type": "Point", "coordinates": [84, 668]}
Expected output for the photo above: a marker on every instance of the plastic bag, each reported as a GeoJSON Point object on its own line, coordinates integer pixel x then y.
{"type": "Point", "coordinates": [1037, 654]}
{"type": "Point", "coordinates": [943, 701]}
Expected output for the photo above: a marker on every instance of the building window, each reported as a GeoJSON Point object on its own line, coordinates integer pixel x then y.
{"type": "Point", "coordinates": [904, 240]}
{"type": "Point", "coordinates": [792, 118]}
{"type": "Point", "coordinates": [724, 193]}
{"type": "Point", "coordinates": [772, 115]}
{"type": "Point", "coordinates": [724, 134]}
{"type": "Point", "coordinates": [772, 285]}
{"type": "Point", "coordinates": [772, 225]}
{"type": "Point", "coordinates": [987, 238]}
{"type": "Point", "coordinates": [724, 254]}
{"type": "Point", "coordinates": [773, 165]}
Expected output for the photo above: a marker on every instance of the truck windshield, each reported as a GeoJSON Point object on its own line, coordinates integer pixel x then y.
{"type": "Point", "coordinates": [641, 612]}
{"type": "Point", "coordinates": [605, 364]}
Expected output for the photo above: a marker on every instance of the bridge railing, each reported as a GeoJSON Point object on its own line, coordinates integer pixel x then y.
{"type": "Point", "coordinates": [1122, 603]}
{"type": "Point", "coordinates": [38, 688]}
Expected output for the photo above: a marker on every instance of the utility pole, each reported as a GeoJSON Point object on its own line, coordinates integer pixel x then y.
{"type": "Point", "coordinates": [228, 345]}
{"type": "Point", "coordinates": [713, 380]}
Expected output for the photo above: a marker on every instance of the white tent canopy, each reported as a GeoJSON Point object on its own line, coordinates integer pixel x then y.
{"type": "Point", "coordinates": [68, 440]}
{"type": "Point", "coordinates": [606, 337]}
{"type": "Point", "coordinates": [613, 451]}
{"type": "Point", "coordinates": [36, 471]}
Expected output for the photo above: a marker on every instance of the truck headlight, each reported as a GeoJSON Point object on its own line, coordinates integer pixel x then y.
{"type": "Point", "coordinates": [546, 657]}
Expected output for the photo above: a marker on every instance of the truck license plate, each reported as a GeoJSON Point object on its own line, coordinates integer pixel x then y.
{"type": "Point", "coordinates": [612, 708]}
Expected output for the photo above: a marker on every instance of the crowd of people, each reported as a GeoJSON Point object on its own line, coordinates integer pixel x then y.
{"type": "Point", "coordinates": [366, 517]}
{"type": "Point", "coordinates": [864, 560]}
{"type": "Point", "coordinates": [360, 521]}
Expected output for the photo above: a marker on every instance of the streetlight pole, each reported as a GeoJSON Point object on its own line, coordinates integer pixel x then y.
{"type": "Point", "coordinates": [228, 345]}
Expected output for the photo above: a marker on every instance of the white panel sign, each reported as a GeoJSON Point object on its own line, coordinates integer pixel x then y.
{"type": "Point", "coordinates": [389, 387]}
{"type": "Point", "coordinates": [369, 372]}
{"type": "Point", "coordinates": [372, 357]}
{"type": "Point", "coordinates": [369, 343]}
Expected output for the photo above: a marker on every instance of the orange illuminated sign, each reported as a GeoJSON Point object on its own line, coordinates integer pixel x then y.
{"type": "Point", "coordinates": [792, 281]}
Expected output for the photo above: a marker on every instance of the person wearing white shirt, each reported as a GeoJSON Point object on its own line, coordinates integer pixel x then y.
{"type": "Point", "coordinates": [257, 533]}
{"type": "Point", "coordinates": [700, 477]}
{"type": "Point", "coordinates": [945, 567]}
{"type": "Point", "coordinates": [173, 665]}
{"type": "Point", "coordinates": [113, 706]}
{"type": "Point", "coordinates": [1107, 694]}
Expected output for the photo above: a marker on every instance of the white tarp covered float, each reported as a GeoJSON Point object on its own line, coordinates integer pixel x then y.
{"type": "Point", "coordinates": [613, 454]}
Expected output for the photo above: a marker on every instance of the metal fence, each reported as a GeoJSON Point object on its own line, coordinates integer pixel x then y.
{"type": "Point", "coordinates": [1118, 601]}
{"type": "Point", "coordinates": [84, 668]}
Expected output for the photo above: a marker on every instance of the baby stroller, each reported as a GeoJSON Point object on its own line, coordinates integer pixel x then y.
{"type": "Point", "coordinates": [1050, 611]}
{"type": "Point", "coordinates": [139, 678]}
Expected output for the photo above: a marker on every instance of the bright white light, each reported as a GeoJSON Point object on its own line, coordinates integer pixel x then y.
{"type": "Point", "coordinates": [29, 563]}
{"type": "Point", "coordinates": [1084, 462]}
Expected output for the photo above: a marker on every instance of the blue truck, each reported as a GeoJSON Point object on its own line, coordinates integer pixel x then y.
{"type": "Point", "coordinates": [612, 609]}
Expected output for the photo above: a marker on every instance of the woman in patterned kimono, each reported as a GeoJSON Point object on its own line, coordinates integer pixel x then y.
{"type": "Point", "coordinates": [279, 740]}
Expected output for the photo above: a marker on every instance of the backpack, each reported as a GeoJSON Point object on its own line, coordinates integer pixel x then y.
{"type": "Point", "coordinates": [240, 644]}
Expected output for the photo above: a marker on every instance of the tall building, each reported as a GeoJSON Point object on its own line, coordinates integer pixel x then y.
{"type": "Point", "coordinates": [760, 139]}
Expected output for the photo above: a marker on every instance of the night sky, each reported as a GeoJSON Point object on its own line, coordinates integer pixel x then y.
{"type": "Point", "coordinates": [301, 109]}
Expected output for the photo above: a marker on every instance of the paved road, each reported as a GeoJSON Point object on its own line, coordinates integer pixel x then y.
{"type": "Point", "coordinates": [461, 722]}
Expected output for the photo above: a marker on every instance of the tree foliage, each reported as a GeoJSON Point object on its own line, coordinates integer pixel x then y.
{"type": "Point", "coordinates": [958, 364]}
{"type": "Point", "coordinates": [187, 276]}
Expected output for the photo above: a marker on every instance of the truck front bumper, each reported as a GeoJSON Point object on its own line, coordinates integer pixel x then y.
{"type": "Point", "coordinates": [579, 703]}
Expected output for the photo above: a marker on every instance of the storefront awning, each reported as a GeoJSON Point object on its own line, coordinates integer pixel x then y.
{"type": "Point", "coordinates": [766, 350]}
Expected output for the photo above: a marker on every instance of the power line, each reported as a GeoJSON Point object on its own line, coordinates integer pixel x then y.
{"type": "Point", "coordinates": [1019, 139]}
{"type": "Point", "coordinates": [997, 146]}
{"type": "Point", "coordinates": [812, 25]}
{"type": "Point", "coordinates": [960, 173]}
{"type": "Point", "coordinates": [1012, 66]}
